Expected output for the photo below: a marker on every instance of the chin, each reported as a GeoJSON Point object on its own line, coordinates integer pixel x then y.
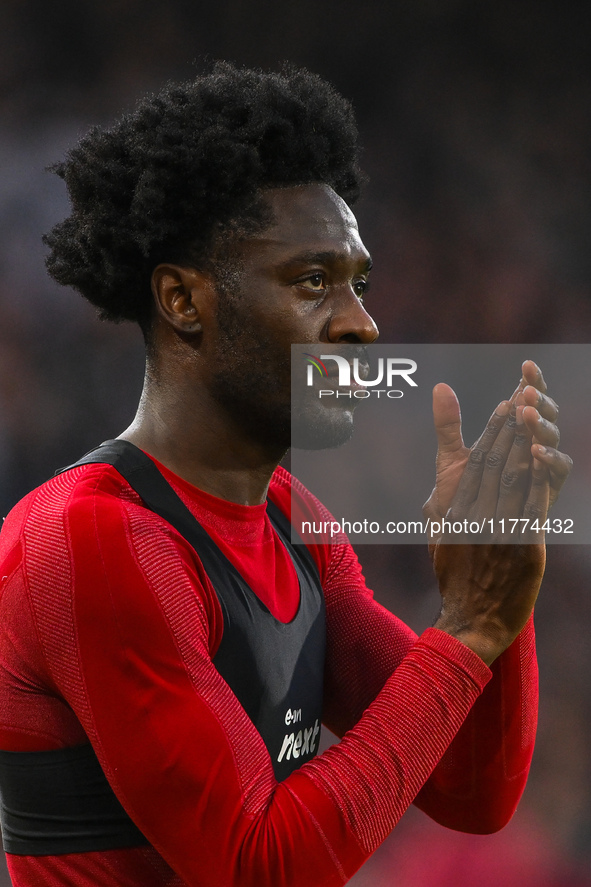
{"type": "Point", "coordinates": [322, 432]}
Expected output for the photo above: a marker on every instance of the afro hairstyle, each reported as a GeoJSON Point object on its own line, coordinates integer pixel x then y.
{"type": "Point", "coordinates": [185, 171]}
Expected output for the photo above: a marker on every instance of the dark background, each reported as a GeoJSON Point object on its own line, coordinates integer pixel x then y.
{"type": "Point", "coordinates": [475, 121]}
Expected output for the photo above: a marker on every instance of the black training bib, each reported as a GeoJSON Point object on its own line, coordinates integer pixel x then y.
{"type": "Point", "coordinates": [61, 802]}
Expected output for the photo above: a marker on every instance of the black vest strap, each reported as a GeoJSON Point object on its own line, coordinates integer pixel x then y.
{"type": "Point", "coordinates": [157, 494]}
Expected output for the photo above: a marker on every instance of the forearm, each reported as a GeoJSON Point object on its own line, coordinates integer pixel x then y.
{"type": "Point", "coordinates": [380, 765]}
{"type": "Point", "coordinates": [322, 823]}
{"type": "Point", "coordinates": [479, 782]}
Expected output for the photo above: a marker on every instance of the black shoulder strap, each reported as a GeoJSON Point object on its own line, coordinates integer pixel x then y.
{"type": "Point", "coordinates": [144, 477]}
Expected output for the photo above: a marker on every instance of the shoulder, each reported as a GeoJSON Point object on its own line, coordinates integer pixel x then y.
{"type": "Point", "coordinates": [86, 536]}
{"type": "Point", "coordinates": [335, 559]}
{"type": "Point", "coordinates": [75, 494]}
{"type": "Point", "coordinates": [88, 515]}
{"type": "Point", "coordinates": [47, 528]}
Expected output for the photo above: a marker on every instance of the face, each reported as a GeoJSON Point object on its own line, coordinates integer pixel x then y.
{"type": "Point", "coordinates": [302, 280]}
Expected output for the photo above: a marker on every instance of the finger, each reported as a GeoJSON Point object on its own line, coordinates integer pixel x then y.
{"type": "Point", "coordinates": [537, 504]}
{"type": "Point", "coordinates": [546, 407]}
{"type": "Point", "coordinates": [515, 476]}
{"type": "Point", "coordinates": [470, 481]}
{"type": "Point", "coordinates": [447, 419]}
{"type": "Point", "coordinates": [559, 466]}
{"type": "Point", "coordinates": [544, 432]}
{"type": "Point", "coordinates": [495, 463]}
{"type": "Point", "coordinates": [519, 388]}
{"type": "Point", "coordinates": [532, 375]}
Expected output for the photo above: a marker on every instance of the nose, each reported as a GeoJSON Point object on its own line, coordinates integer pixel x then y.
{"type": "Point", "coordinates": [350, 322]}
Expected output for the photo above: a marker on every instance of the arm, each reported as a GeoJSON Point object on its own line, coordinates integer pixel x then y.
{"type": "Point", "coordinates": [479, 781]}
{"type": "Point", "coordinates": [125, 628]}
{"type": "Point", "coordinates": [488, 591]}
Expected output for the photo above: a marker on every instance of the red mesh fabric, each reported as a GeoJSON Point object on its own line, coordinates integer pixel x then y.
{"type": "Point", "coordinates": [115, 868]}
{"type": "Point", "coordinates": [379, 767]}
{"type": "Point", "coordinates": [529, 678]}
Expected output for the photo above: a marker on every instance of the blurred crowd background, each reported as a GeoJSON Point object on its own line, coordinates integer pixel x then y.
{"type": "Point", "coordinates": [475, 120]}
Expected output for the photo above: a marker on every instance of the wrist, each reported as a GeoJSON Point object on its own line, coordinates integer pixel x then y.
{"type": "Point", "coordinates": [486, 644]}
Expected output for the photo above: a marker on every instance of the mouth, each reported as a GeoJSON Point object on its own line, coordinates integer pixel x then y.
{"type": "Point", "coordinates": [353, 383]}
{"type": "Point", "coordinates": [350, 362]}
{"type": "Point", "coordinates": [358, 373]}
{"type": "Point", "coordinates": [335, 375]}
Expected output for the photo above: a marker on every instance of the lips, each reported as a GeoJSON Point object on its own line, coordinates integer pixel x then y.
{"type": "Point", "coordinates": [344, 368]}
{"type": "Point", "coordinates": [356, 357]}
{"type": "Point", "coordinates": [362, 371]}
{"type": "Point", "coordinates": [332, 379]}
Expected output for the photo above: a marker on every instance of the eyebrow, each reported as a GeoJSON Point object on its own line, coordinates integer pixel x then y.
{"type": "Point", "coordinates": [323, 258]}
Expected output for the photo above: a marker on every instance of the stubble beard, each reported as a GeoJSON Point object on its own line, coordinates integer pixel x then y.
{"type": "Point", "coordinates": [252, 383]}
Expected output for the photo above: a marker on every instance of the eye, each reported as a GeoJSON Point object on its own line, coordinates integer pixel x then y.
{"type": "Point", "coordinates": [360, 288]}
{"type": "Point", "coordinates": [315, 282]}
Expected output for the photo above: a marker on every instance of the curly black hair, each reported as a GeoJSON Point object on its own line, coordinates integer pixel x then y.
{"type": "Point", "coordinates": [185, 169]}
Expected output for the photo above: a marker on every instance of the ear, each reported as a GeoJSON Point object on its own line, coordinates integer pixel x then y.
{"type": "Point", "coordinates": [183, 296]}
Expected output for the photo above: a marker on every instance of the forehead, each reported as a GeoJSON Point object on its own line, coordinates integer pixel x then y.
{"type": "Point", "coordinates": [308, 218]}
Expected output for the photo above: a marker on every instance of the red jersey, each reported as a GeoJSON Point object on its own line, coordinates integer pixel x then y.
{"type": "Point", "coordinates": [108, 628]}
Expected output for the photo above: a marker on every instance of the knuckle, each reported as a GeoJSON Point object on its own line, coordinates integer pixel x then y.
{"type": "Point", "coordinates": [522, 438]}
{"type": "Point", "coordinates": [509, 479]}
{"type": "Point", "coordinates": [494, 459]}
{"type": "Point", "coordinates": [477, 456]}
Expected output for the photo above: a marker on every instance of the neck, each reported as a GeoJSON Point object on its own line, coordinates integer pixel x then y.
{"type": "Point", "coordinates": [181, 426]}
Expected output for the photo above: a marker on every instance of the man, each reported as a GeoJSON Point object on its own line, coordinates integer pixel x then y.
{"type": "Point", "coordinates": [161, 687]}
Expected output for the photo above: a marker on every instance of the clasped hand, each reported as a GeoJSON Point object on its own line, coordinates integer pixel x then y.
{"type": "Point", "coordinates": [505, 483]}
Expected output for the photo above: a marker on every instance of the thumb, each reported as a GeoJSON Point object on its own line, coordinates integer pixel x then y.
{"type": "Point", "coordinates": [448, 420]}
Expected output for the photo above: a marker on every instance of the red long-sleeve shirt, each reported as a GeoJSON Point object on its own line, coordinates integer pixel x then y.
{"type": "Point", "coordinates": [108, 626]}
